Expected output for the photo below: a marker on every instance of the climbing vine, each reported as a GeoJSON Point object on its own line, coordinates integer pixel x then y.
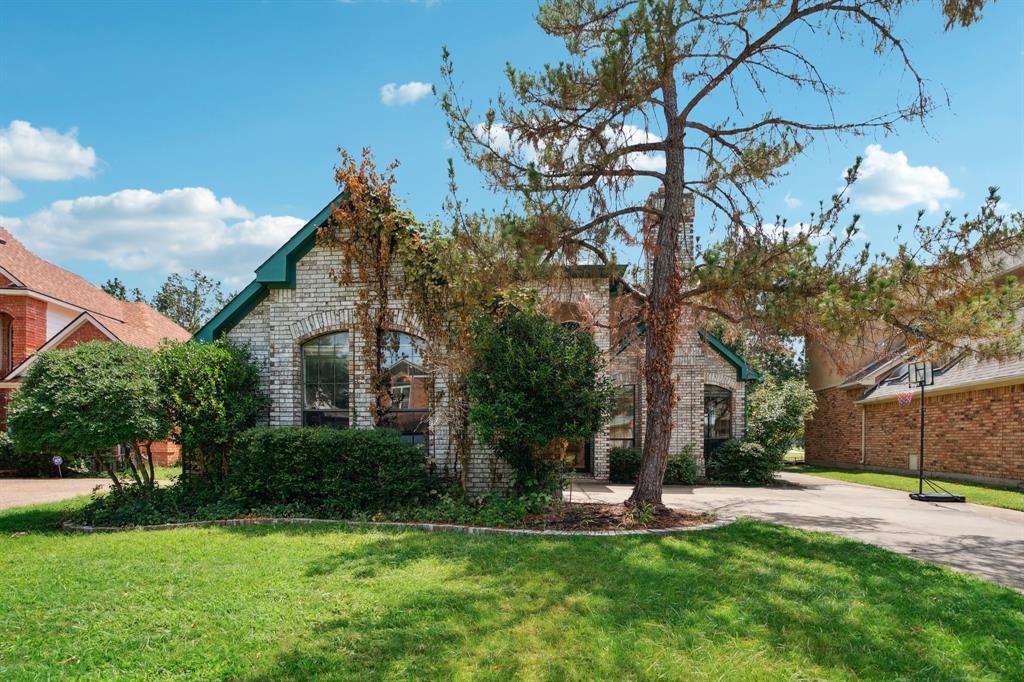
{"type": "Point", "coordinates": [367, 226]}
{"type": "Point", "coordinates": [445, 274]}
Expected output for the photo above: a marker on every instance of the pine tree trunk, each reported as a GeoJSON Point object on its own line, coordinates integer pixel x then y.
{"type": "Point", "coordinates": [662, 317]}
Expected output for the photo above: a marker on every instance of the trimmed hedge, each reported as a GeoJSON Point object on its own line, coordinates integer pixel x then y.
{"type": "Point", "coordinates": [743, 461]}
{"type": "Point", "coordinates": [624, 465]}
{"type": "Point", "coordinates": [337, 472]}
{"type": "Point", "coordinates": [681, 468]}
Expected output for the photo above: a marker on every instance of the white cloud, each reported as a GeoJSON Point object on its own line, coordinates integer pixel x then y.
{"type": "Point", "coordinates": [30, 153]}
{"type": "Point", "coordinates": [8, 192]}
{"type": "Point", "coordinates": [791, 201]}
{"type": "Point", "coordinates": [173, 230]}
{"type": "Point", "coordinates": [887, 182]}
{"type": "Point", "coordinates": [648, 161]}
{"type": "Point", "coordinates": [498, 137]}
{"type": "Point", "coordinates": [392, 94]}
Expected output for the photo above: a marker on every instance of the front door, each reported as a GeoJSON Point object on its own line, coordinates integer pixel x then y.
{"type": "Point", "coordinates": [578, 452]}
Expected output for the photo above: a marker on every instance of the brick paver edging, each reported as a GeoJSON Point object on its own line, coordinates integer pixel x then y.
{"type": "Point", "coordinates": [432, 527]}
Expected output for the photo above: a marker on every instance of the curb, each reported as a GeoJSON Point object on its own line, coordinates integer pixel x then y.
{"type": "Point", "coordinates": [429, 527]}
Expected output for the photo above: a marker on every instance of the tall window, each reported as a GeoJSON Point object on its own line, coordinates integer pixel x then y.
{"type": "Point", "coordinates": [325, 381]}
{"type": "Point", "coordinates": [622, 428]}
{"type": "Point", "coordinates": [6, 344]}
{"type": "Point", "coordinates": [409, 413]}
{"type": "Point", "coordinates": [717, 416]}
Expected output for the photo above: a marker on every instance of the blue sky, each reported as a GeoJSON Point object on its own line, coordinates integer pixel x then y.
{"type": "Point", "coordinates": [225, 118]}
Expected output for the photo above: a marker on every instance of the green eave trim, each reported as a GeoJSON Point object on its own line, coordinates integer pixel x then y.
{"type": "Point", "coordinates": [744, 372]}
{"type": "Point", "coordinates": [230, 315]}
{"type": "Point", "coordinates": [277, 272]}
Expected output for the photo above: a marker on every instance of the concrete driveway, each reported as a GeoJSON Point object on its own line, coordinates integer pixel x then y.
{"type": "Point", "coordinates": [985, 541]}
{"type": "Point", "coordinates": [16, 492]}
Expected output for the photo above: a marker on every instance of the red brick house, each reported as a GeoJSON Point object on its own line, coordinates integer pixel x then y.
{"type": "Point", "coordinates": [45, 307]}
{"type": "Point", "coordinates": [974, 424]}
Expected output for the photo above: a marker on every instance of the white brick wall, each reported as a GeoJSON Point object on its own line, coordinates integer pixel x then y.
{"type": "Point", "coordinates": [276, 328]}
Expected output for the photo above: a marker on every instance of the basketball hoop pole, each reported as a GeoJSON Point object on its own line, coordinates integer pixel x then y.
{"type": "Point", "coordinates": [920, 374]}
{"type": "Point", "coordinates": [920, 457]}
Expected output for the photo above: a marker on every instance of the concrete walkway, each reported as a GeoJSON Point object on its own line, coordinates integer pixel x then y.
{"type": "Point", "coordinates": [985, 541]}
{"type": "Point", "coordinates": [17, 492]}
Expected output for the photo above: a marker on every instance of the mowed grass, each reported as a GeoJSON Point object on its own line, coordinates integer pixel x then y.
{"type": "Point", "coordinates": [746, 602]}
{"type": "Point", "coordinates": [976, 493]}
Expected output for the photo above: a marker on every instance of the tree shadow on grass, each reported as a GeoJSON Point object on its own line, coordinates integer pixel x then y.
{"type": "Point", "coordinates": [792, 603]}
{"type": "Point", "coordinates": [37, 518]}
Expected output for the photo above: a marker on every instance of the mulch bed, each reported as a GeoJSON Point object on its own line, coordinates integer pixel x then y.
{"type": "Point", "coordinates": [575, 516]}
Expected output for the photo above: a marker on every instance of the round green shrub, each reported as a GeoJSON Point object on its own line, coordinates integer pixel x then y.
{"type": "Point", "coordinates": [743, 461]}
{"type": "Point", "coordinates": [623, 465]}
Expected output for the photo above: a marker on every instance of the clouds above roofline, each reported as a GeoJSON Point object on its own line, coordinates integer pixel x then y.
{"type": "Point", "coordinates": [30, 153]}
{"type": "Point", "coordinates": [168, 231]}
{"type": "Point", "coordinates": [887, 182]}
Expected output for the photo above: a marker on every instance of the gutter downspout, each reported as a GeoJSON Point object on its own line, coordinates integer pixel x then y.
{"type": "Point", "coordinates": [863, 432]}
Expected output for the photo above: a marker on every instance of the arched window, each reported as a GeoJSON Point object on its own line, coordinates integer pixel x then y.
{"type": "Point", "coordinates": [6, 344]}
{"type": "Point", "coordinates": [717, 416]}
{"type": "Point", "coordinates": [325, 381]}
{"type": "Point", "coordinates": [409, 413]}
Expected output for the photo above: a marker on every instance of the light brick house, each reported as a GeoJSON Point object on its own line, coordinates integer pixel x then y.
{"type": "Point", "coordinates": [299, 323]}
{"type": "Point", "coordinates": [974, 423]}
{"type": "Point", "coordinates": [45, 307]}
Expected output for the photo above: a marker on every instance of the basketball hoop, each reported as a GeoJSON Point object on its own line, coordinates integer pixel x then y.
{"type": "Point", "coordinates": [920, 375]}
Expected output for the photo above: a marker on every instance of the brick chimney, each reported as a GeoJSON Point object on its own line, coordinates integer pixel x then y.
{"type": "Point", "coordinates": [657, 200]}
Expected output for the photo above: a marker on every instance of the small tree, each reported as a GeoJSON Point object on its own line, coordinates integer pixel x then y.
{"type": "Point", "coordinates": [89, 400]}
{"type": "Point", "coordinates": [535, 386]}
{"type": "Point", "coordinates": [212, 392]}
{"type": "Point", "coordinates": [189, 300]}
{"type": "Point", "coordinates": [116, 288]}
{"type": "Point", "coordinates": [776, 409]}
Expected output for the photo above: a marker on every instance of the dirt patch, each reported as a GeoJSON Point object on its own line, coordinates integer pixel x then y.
{"type": "Point", "coordinates": [588, 516]}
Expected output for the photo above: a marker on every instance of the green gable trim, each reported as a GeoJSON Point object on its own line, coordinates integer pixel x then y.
{"type": "Point", "coordinates": [744, 372]}
{"type": "Point", "coordinates": [277, 272]}
{"type": "Point", "coordinates": [231, 314]}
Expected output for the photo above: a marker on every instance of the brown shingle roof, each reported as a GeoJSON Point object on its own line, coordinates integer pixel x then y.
{"type": "Point", "coordinates": [133, 323]}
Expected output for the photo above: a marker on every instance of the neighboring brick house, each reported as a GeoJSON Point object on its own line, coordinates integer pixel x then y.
{"type": "Point", "coordinates": [974, 415]}
{"type": "Point", "coordinates": [44, 307]}
{"type": "Point", "coordinates": [298, 321]}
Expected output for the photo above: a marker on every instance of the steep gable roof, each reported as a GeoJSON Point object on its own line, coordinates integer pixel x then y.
{"type": "Point", "coordinates": [277, 272]}
{"type": "Point", "coordinates": [133, 323]}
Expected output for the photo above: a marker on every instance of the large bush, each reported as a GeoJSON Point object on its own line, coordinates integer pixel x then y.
{"type": "Point", "coordinates": [87, 400]}
{"type": "Point", "coordinates": [623, 465]}
{"type": "Point", "coordinates": [212, 392]}
{"type": "Point", "coordinates": [328, 471]}
{"type": "Point", "coordinates": [776, 410]}
{"type": "Point", "coordinates": [742, 461]}
{"type": "Point", "coordinates": [535, 386]}
{"type": "Point", "coordinates": [681, 468]}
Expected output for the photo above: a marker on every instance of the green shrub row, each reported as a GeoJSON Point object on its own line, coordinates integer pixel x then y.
{"type": "Point", "coordinates": [338, 471]}
{"type": "Point", "coordinates": [624, 465]}
{"type": "Point", "coordinates": [323, 472]}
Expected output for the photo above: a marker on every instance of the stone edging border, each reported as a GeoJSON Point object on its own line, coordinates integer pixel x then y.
{"type": "Point", "coordinates": [430, 527]}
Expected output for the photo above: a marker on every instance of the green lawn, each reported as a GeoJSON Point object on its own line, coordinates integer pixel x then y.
{"type": "Point", "coordinates": [794, 455]}
{"type": "Point", "coordinates": [744, 602]}
{"type": "Point", "coordinates": [976, 493]}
